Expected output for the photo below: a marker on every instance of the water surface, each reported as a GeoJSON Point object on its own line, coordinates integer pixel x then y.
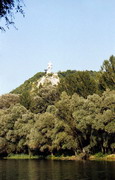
{"type": "Point", "coordinates": [56, 170]}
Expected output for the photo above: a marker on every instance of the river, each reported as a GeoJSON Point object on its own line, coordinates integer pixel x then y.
{"type": "Point", "coordinates": [56, 170]}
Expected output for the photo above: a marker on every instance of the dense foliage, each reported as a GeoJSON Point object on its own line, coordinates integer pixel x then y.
{"type": "Point", "coordinates": [76, 116]}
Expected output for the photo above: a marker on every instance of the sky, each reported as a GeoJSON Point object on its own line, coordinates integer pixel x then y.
{"type": "Point", "coordinates": [72, 34]}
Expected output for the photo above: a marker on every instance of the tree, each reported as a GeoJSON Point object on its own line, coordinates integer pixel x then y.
{"type": "Point", "coordinates": [15, 124]}
{"type": "Point", "coordinates": [7, 8]}
{"type": "Point", "coordinates": [80, 82]}
{"type": "Point", "coordinates": [22, 128]}
{"type": "Point", "coordinates": [104, 121]}
{"type": "Point", "coordinates": [41, 134]}
{"type": "Point", "coordinates": [63, 139]}
{"type": "Point", "coordinates": [65, 111]}
{"type": "Point", "coordinates": [44, 97]}
{"type": "Point", "coordinates": [25, 99]}
{"type": "Point", "coordinates": [7, 100]}
{"type": "Point", "coordinates": [2, 145]}
{"type": "Point", "coordinates": [107, 79]}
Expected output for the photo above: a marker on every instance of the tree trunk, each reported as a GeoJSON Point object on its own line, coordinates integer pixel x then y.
{"type": "Point", "coordinates": [75, 153]}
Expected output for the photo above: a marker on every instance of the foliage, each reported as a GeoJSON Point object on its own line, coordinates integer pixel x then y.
{"type": "Point", "coordinates": [76, 117]}
{"type": "Point", "coordinates": [107, 79]}
{"type": "Point", "coordinates": [43, 98]}
{"type": "Point", "coordinates": [80, 82]}
{"type": "Point", "coordinates": [8, 99]}
{"type": "Point", "coordinates": [28, 85]}
{"type": "Point", "coordinates": [8, 8]}
{"type": "Point", "coordinates": [22, 156]}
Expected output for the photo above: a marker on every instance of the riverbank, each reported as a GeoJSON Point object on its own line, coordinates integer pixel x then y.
{"type": "Point", "coordinates": [22, 156]}
{"type": "Point", "coordinates": [97, 156]}
{"type": "Point", "coordinates": [110, 157]}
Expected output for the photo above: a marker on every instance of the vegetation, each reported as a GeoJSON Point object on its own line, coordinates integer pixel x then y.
{"type": "Point", "coordinates": [28, 85]}
{"type": "Point", "coordinates": [8, 8]}
{"type": "Point", "coordinates": [22, 156]}
{"type": "Point", "coordinates": [100, 156]}
{"type": "Point", "coordinates": [75, 117]}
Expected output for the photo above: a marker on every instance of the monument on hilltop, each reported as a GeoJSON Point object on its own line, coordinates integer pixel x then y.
{"type": "Point", "coordinates": [49, 68]}
{"type": "Point", "coordinates": [49, 78]}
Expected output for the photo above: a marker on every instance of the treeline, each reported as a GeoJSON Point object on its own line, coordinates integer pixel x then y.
{"type": "Point", "coordinates": [83, 83]}
{"type": "Point", "coordinates": [76, 116]}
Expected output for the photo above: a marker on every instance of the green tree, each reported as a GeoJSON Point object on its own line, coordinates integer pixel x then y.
{"type": "Point", "coordinates": [3, 145]}
{"type": "Point", "coordinates": [7, 100]}
{"type": "Point", "coordinates": [63, 139]}
{"type": "Point", "coordinates": [65, 111]}
{"type": "Point", "coordinates": [41, 134]}
{"type": "Point", "coordinates": [105, 121]}
{"type": "Point", "coordinates": [79, 82]}
{"type": "Point", "coordinates": [15, 124]}
{"type": "Point", "coordinates": [25, 99]}
{"type": "Point", "coordinates": [45, 96]}
{"type": "Point", "coordinates": [84, 114]}
{"type": "Point", "coordinates": [107, 79]}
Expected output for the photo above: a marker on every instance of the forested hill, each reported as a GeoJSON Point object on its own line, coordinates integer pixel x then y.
{"type": "Point", "coordinates": [81, 82]}
{"type": "Point", "coordinates": [77, 80]}
{"type": "Point", "coordinates": [27, 85]}
{"type": "Point", "coordinates": [76, 115]}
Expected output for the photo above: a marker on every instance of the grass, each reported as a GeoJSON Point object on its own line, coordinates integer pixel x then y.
{"type": "Point", "coordinates": [62, 157]}
{"type": "Point", "coordinates": [50, 157]}
{"type": "Point", "coordinates": [22, 156]}
{"type": "Point", "coordinates": [98, 156]}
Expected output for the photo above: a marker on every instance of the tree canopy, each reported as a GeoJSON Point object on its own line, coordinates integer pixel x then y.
{"type": "Point", "coordinates": [74, 117]}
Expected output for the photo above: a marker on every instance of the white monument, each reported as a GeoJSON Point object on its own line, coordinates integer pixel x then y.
{"type": "Point", "coordinates": [46, 80]}
{"type": "Point", "coordinates": [49, 68]}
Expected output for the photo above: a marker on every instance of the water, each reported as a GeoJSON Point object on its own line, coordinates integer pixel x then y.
{"type": "Point", "coordinates": [56, 170]}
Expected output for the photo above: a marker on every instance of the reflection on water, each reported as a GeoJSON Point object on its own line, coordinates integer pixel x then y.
{"type": "Point", "coordinates": [56, 170]}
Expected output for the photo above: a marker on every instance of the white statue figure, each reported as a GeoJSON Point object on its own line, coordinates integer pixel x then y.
{"type": "Point", "coordinates": [49, 68]}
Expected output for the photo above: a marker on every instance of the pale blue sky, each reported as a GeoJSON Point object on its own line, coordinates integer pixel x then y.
{"type": "Point", "coordinates": [72, 34]}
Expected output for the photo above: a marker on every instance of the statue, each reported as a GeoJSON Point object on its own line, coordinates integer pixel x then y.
{"type": "Point", "coordinates": [50, 78]}
{"type": "Point", "coordinates": [49, 68]}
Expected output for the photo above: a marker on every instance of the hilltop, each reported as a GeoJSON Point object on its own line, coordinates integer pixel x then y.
{"type": "Point", "coordinates": [64, 113]}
